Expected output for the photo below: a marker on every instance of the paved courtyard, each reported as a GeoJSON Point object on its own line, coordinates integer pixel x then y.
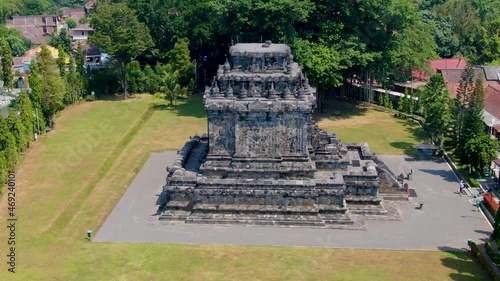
{"type": "Point", "coordinates": [446, 221]}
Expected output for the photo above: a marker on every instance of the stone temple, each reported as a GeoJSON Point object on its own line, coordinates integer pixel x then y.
{"type": "Point", "coordinates": [264, 160]}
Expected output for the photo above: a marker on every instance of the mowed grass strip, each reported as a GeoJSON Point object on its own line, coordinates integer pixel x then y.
{"type": "Point", "coordinates": [66, 255]}
{"type": "Point", "coordinates": [384, 133]}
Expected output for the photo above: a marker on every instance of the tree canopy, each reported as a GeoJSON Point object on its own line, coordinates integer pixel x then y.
{"type": "Point", "coordinates": [120, 34]}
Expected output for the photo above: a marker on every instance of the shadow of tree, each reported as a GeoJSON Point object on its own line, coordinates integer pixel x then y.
{"type": "Point", "coordinates": [461, 261]}
{"type": "Point", "coordinates": [340, 110]}
{"type": "Point", "coordinates": [191, 107]}
{"type": "Point", "coordinates": [407, 147]}
{"type": "Point", "coordinates": [446, 175]}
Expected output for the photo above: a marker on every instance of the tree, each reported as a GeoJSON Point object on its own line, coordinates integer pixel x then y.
{"type": "Point", "coordinates": [481, 151]}
{"type": "Point", "coordinates": [413, 46]}
{"type": "Point", "coordinates": [435, 101]}
{"type": "Point", "coordinates": [75, 82]}
{"type": "Point", "coordinates": [321, 61]}
{"type": "Point", "coordinates": [79, 59]}
{"type": "Point", "coordinates": [63, 39]}
{"type": "Point", "coordinates": [251, 20]}
{"type": "Point", "coordinates": [180, 60]}
{"type": "Point", "coordinates": [3, 168]}
{"type": "Point", "coordinates": [26, 112]}
{"type": "Point", "coordinates": [38, 7]}
{"type": "Point", "coordinates": [401, 104]}
{"type": "Point", "coordinates": [61, 61]}
{"type": "Point", "coordinates": [151, 80]}
{"type": "Point", "coordinates": [473, 115]}
{"type": "Point", "coordinates": [447, 42]}
{"type": "Point", "coordinates": [8, 145]}
{"type": "Point", "coordinates": [120, 34]}
{"type": "Point", "coordinates": [468, 111]}
{"type": "Point", "coordinates": [52, 87]}
{"type": "Point", "coordinates": [464, 20]}
{"type": "Point", "coordinates": [170, 85]}
{"type": "Point", "coordinates": [9, 8]}
{"type": "Point", "coordinates": [134, 76]}
{"type": "Point", "coordinates": [18, 130]}
{"type": "Point", "coordinates": [7, 65]}
{"type": "Point", "coordinates": [489, 42]}
{"type": "Point", "coordinates": [71, 23]}
{"type": "Point", "coordinates": [18, 44]}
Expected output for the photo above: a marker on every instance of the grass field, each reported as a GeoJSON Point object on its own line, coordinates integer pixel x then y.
{"type": "Point", "coordinates": [69, 181]}
{"type": "Point", "coordinates": [385, 134]}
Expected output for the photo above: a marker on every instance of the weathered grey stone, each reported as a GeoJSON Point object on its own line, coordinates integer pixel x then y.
{"type": "Point", "coordinates": [264, 160]}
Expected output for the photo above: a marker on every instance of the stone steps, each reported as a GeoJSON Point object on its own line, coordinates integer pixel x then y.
{"type": "Point", "coordinates": [254, 209]}
{"type": "Point", "coordinates": [282, 220]}
{"type": "Point", "coordinates": [174, 215]}
{"type": "Point", "coordinates": [367, 209]}
{"type": "Point", "coordinates": [336, 219]}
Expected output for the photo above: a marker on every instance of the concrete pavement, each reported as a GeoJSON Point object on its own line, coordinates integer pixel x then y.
{"type": "Point", "coordinates": [446, 221]}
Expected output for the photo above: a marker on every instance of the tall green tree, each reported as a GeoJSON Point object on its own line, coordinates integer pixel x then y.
{"type": "Point", "coordinates": [151, 80]}
{"type": "Point", "coordinates": [52, 87]}
{"type": "Point", "coordinates": [465, 23]}
{"type": "Point", "coordinates": [480, 151]}
{"type": "Point", "coordinates": [134, 76]}
{"type": "Point", "coordinates": [18, 130]}
{"type": "Point", "coordinates": [26, 114]}
{"type": "Point", "coordinates": [61, 38]}
{"type": "Point", "coordinates": [447, 42]}
{"type": "Point", "coordinates": [7, 65]}
{"type": "Point", "coordinates": [180, 59]}
{"type": "Point", "coordinates": [18, 44]}
{"type": "Point", "coordinates": [489, 42]}
{"type": "Point", "coordinates": [9, 8]}
{"type": "Point", "coordinates": [435, 101]}
{"type": "Point", "coordinates": [8, 145]}
{"type": "Point", "coordinates": [468, 111]}
{"type": "Point", "coordinates": [3, 168]}
{"type": "Point", "coordinates": [249, 21]}
{"type": "Point", "coordinates": [75, 82]}
{"type": "Point", "coordinates": [413, 46]}
{"type": "Point", "coordinates": [79, 59]}
{"type": "Point", "coordinates": [119, 33]}
{"type": "Point", "coordinates": [38, 7]}
{"type": "Point", "coordinates": [61, 61]}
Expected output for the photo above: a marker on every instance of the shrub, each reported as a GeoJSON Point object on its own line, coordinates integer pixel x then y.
{"type": "Point", "coordinates": [483, 261]}
{"type": "Point", "coordinates": [90, 97]}
{"type": "Point", "coordinates": [474, 182]}
{"type": "Point", "coordinates": [494, 256]}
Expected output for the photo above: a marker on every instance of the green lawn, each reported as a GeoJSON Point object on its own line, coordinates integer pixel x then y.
{"type": "Point", "coordinates": [69, 181]}
{"type": "Point", "coordinates": [384, 133]}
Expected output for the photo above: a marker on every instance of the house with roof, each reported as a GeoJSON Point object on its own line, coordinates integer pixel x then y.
{"type": "Point", "coordinates": [37, 28]}
{"type": "Point", "coordinates": [437, 64]}
{"type": "Point", "coordinates": [22, 64]}
{"type": "Point", "coordinates": [89, 6]}
{"type": "Point", "coordinates": [81, 32]}
{"type": "Point", "coordinates": [491, 82]}
{"type": "Point", "coordinates": [73, 13]}
{"type": "Point", "coordinates": [491, 112]}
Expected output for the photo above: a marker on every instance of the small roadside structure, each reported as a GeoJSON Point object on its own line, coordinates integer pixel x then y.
{"type": "Point", "coordinates": [425, 150]}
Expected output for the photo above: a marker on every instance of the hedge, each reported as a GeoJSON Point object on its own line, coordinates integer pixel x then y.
{"type": "Point", "coordinates": [492, 254]}
{"type": "Point", "coordinates": [483, 261]}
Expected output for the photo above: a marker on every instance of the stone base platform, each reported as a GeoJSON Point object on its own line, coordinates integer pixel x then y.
{"type": "Point", "coordinates": [227, 214]}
